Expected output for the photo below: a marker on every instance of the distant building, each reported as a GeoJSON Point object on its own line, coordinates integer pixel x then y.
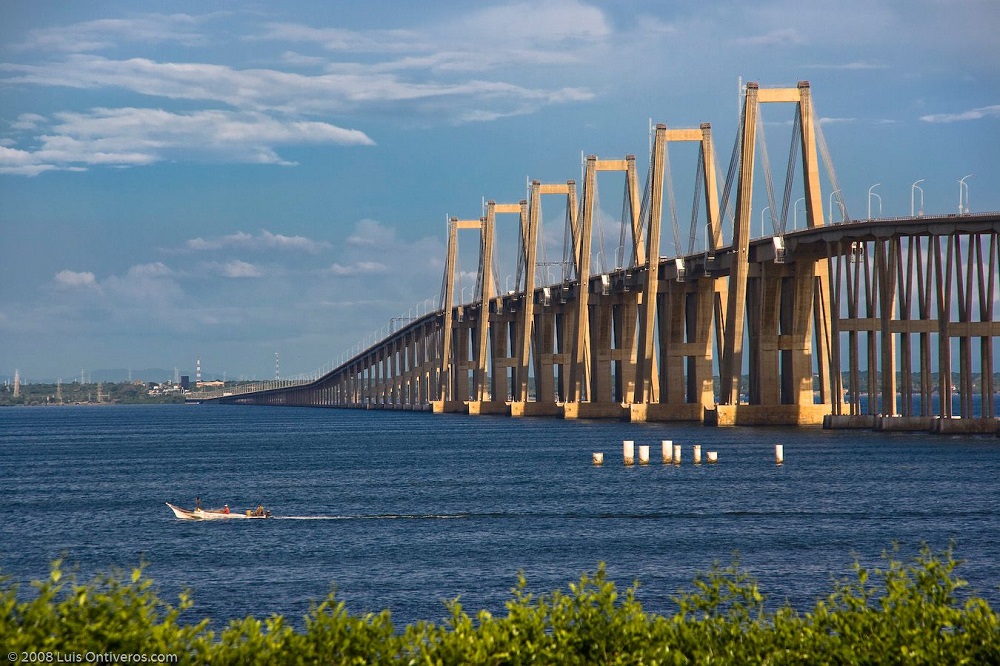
{"type": "Point", "coordinates": [185, 382]}
{"type": "Point", "coordinates": [210, 384]}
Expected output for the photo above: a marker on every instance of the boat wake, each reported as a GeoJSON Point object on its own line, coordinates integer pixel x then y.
{"type": "Point", "coordinates": [385, 516]}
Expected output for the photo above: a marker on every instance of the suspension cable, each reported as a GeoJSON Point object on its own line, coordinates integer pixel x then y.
{"type": "Point", "coordinates": [569, 256]}
{"type": "Point", "coordinates": [768, 180]}
{"type": "Point", "coordinates": [540, 244]}
{"type": "Point", "coordinates": [481, 272]}
{"type": "Point", "coordinates": [626, 222]}
{"type": "Point", "coordinates": [644, 209]}
{"type": "Point", "coordinates": [734, 164]}
{"type": "Point", "coordinates": [521, 260]}
{"type": "Point", "coordinates": [601, 255]}
{"type": "Point", "coordinates": [695, 208]}
{"type": "Point", "coordinates": [831, 174]}
{"type": "Point", "coordinates": [668, 176]}
{"type": "Point", "coordinates": [496, 261]}
{"type": "Point", "coordinates": [790, 170]}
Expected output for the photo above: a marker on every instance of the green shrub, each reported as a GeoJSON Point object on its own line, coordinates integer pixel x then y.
{"type": "Point", "coordinates": [914, 612]}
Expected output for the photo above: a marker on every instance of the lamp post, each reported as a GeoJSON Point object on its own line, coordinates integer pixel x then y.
{"type": "Point", "coordinates": [913, 189]}
{"type": "Point", "coordinates": [766, 208]}
{"type": "Point", "coordinates": [873, 194]}
{"type": "Point", "coordinates": [795, 214]}
{"type": "Point", "coordinates": [963, 186]}
{"type": "Point", "coordinates": [506, 283]}
{"type": "Point", "coordinates": [839, 204]}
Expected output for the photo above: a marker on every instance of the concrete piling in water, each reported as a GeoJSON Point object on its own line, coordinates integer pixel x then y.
{"type": "Point", "coordinates": [696, 452]}
{"type": "Point", "coordinates": [668, 452]}
{"type": "Point", "coordinates": [779, 454]}
{"type": "Point", "coordinates": [598, 457]}
{"type": "Point", "coordinates": [713, 457]}
{"type": "Point", "coordinates": [677, 454]}
{"type": "Point", "coordinates": [628, 451]}
{"type": "Point", "coordinates": [644, 454]}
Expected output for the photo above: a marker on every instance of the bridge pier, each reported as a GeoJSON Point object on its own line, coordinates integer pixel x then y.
{"type": "Point", "coordinates": [766, 415]}
{"type": "Point", "coordinates": [520, 408]}
{"type": "Point", "coordinates": [594, 410]}
{"type": "Point", "coordinates": [483, 407]}
{"type": "Point", "coordinates": [449, 407]}
{"type": "Point", "coordinates": [658, 412]}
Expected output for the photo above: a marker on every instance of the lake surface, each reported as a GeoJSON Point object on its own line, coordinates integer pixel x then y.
{"type": "Point", "coordinates": [404, 510]}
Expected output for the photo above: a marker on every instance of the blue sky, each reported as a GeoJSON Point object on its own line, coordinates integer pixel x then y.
{"type": "Point", "coordinates": [227, 180]}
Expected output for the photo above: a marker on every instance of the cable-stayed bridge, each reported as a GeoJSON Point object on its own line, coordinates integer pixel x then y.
{"type": "Point", "coordinates": [885, 323]}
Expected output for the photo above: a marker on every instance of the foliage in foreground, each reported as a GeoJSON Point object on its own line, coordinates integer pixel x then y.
{"type": "Point", "coordinates": [906, 613]}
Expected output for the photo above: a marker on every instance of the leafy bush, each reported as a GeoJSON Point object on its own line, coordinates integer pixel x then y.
{"type": "Point", "coordinates": [905, 613]}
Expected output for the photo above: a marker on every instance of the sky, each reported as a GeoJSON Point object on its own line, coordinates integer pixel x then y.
{"type": "Point", "coordinates": [231, 180]}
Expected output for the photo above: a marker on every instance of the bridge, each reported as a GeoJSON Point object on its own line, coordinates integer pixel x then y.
{"type": "Point", "coordinates": [853, 323]}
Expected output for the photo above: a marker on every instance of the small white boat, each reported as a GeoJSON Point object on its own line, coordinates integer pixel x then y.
{"type": "Point", "coordinates": [218, 514]}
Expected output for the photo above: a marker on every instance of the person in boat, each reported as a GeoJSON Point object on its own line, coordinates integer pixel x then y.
{"type": "Point", "coordinates": [197, 504]}
{"type": "Point", "coordinates": [259, 511]}
{"type": "Point", "coordinates": [225, 508]}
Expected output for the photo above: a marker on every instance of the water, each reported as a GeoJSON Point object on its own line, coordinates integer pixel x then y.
{"type": "Point", "coordinates": [405, 510]}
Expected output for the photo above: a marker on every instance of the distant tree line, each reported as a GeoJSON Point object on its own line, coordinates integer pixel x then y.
{"type": "Point", "coordinates": [73, 393]}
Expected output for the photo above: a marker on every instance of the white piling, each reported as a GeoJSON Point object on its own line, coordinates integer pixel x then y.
{"type": "Point", "coordinates": [668, 451]}
{"type": "Point", "coordinates": [644, 454]}
{"type": "Point", "coordinates": [697, 453]}
{"type": "Point", "coordinates": [779, 454]}
{"type": "Point", "coordinates": [713, 457]}
{"type": "Point", "coordinates": [598, 457]}
{"type": "Point", "coordinates": [628, 451]}
{"type": "Point", "coordinates": [677, 454]}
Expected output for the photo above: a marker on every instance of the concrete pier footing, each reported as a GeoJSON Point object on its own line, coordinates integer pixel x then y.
{"type": "Point", "coordinates": [748, 415]}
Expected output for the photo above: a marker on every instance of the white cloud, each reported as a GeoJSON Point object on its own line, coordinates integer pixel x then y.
{"type": "Point", "coordinates": [28, 121]}
{"type": "Point", "coordinates": [507, 35]}
{"type": "Point", "coordinates": [972, 114]}
{"type": "Point", "coordinates": [779, 37]}
{"type": "Point", "coordinates": [72, 279]}
{"type": "Point", "coordinates": [265, 240]}
{"type": "Point", "coordinates": [18, 162]}
{"type": "Point", "coordinates": [235, 269]}
{"type": "Point", "coordinates": [134, 137]}
{"type": "Point", "coordinates": [109, 33]}
{"type": "Point", "coordinates": [358, 268]}
{"type": "Point", "coordinates": [156, 269]}
{"type": "Point", "coordinates": [301, 60]}
{"type": "Point", "coordinates": [371, 233]}
{"type": "Point", "coordinates": [263, 89]}
{"type": "Point", "coordinates": [856, 65]}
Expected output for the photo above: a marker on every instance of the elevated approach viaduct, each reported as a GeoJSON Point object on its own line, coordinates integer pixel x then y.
{"type": "Point", "coordinates": [875, 323]}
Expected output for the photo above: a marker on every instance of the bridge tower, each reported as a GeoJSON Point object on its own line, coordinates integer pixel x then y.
{"type": "Point", "coordinates": [611, 319]}
{"type": "Point", "coordinates": [492, 330]}
{"type": "Point", "coordinates": [538, 333]}
{"type": "Point", "coordinates": [790, 301]}
{"type": "Point", "coordinates": [681, 386]}
{"type": "Point", "coordinates": [454, 348]}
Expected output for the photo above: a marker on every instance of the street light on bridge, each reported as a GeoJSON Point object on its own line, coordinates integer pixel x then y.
{"type": "Point", "coordinates": [963, 186]}
{"type": "Point", "coordinates": [873, 194]}
{"type": "Point", "coordinates": [766, 208]}
{"type": "Point", "coordinates": [840, 204]}
{"type": "Point", "coordinates": [913, 189]}
{"type": "Point", "coordinates": [795, 213]}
